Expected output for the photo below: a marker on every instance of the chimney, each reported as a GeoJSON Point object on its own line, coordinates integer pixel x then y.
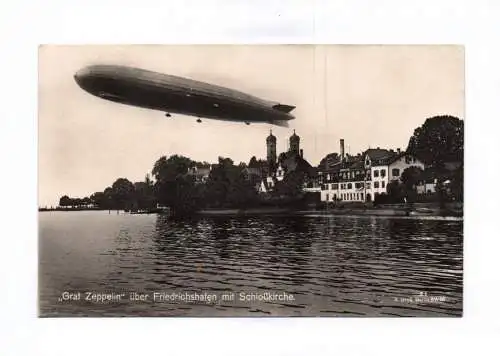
{"type": "Point", "coordinates": [342, 149]}
{"type": "Point", "coordinates": [301, 153]}
{"type": "Point", "coordinates": [399, 150]}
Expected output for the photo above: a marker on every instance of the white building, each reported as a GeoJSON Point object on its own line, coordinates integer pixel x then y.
{"type": "Point", "coordinates": [363, 177]}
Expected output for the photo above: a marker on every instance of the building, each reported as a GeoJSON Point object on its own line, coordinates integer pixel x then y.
{"type": "Point", "coordinates": [287, 162]}
{"type": "Point", "coordinates": [200, 173]}
{"type": "Point", "coordinates": [253, 175]}
{"type": "Point", "coordinates": [361, 178]}
{"type": "Point", "coordinates": [295, 143]}
{"type": "Point", "coordinates": [271, 151]}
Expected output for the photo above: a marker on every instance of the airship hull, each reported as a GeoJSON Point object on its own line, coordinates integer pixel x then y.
{"type": "Point", "coordinates": [172, 94]}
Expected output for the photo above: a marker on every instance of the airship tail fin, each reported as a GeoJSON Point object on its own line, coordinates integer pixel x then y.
{"type": "Point", "coordinates": [283, 108]}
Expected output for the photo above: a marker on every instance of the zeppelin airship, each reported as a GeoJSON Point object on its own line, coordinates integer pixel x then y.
{"type": "Point", "coordinates": [173, 94]}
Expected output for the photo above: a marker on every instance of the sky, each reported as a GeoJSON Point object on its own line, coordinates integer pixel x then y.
{"type": "Point", "coordinates": [371, 96]}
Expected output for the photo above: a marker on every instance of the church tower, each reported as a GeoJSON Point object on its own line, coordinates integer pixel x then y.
{"type": "Point", "coordinates": [271, 150]}
{"type": "Point", "coordinates": [295, 143]}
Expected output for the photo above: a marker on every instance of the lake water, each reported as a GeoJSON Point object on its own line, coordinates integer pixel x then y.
{"type": "Point", "coordinates": [90, 262]}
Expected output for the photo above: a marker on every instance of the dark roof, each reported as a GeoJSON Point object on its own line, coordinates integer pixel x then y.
{"type": "Point", "coordinates": [271, 137]}
{"type": "Point", "coordinates": [293, 162]}
{"type": "Point", "coordinates": [329, 161]}
{"type": "Point", "coordinates": [379, 156]}
{"type": "Point", "coordinates": [358, 164]}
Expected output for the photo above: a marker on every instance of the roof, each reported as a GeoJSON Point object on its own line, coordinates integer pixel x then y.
{"type": "Point", "coordinates": [293, 162]}
{"type": "Point", "coordinates": [329, 161]}
{"type": "Point", "coordinates": [380, 156]}
{"type": "Point", "coordinates": [271, 137]}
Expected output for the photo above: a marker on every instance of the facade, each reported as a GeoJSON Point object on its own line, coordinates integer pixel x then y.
{"type": "Point", "coordinates": [200, 173]}
{"type": "Point", "coordinates": [361, 178]}
{"type": "Point", "coordinates": [253, 175]}
{"type": "Point", "coordinates": [288, 162]}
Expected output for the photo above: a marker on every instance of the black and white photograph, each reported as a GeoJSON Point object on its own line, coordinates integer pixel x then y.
{"type": "Point", "coordinates": [250, 180]}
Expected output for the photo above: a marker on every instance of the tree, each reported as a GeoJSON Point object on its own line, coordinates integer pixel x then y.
{"type": "Point", "coordinates": [291, 186]}
{"type": "Point", "coordinates": [168, 169]}
{"type": "Point", "coordinates": [396, 192]}
{"type": "Point", "coordinates": [109, 198]}
{"type": "Point", "coordinates": [144, 194]}
{"type": "Point", "coordinates": [65, 201]}
{"type": "Point", "coordinates": [98, 199]}
{"type": "Point", "coordinates": [438, 140]}
{"type": "Point", "coordinates": [457, 184]}
{"type": "Point", "coordinates": [173, 187]}
{"type": "Point", "coordinates": [253, 162]}
{"type": "Point", "coordinates": [123, 193]}
{"type": "Point", "coordinates": [411, 176]}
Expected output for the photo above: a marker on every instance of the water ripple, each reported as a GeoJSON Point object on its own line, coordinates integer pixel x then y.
{"type": "Point", "coordinates": [332, 266]}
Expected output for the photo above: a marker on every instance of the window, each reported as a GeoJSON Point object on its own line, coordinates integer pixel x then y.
{"type": "Point", "coordinates": [383, 184]}
{"type": "Point", "coordinates": [335, 186]}
{"type": "Point", "coordinates": [334, 196]}
{"type": "Point", "coordinates": [395, 172]}
{"type": "Point", "coordinates": [368, 185]}
{"type": "Point", "coordinates": [323, 187]}
{"type": "Point", "coordinates": [327, 197]}
{"type": "Point", "coordinates": [375, 173]}
{"type": "Point", "coordinates": [349, 185]}
{"type": "Point", "coordinates": [357, 196]}
{"type": "Point", "coordinates": [382, 172]}
{"type": "Point", "coordinates": [375, 184]}
{"type": "Point", "coordinates": [361, 194]}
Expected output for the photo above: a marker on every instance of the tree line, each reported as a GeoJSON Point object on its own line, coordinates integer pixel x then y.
{"type": "Point", "coordinates": [228, 186]}
{"type": "Point", "coordinates": [438, 141]}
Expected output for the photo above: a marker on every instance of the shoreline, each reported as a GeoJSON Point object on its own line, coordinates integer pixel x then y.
{"type": "Point", "coordinates": [416, 210]}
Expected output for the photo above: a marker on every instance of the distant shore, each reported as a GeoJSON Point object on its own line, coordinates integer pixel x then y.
{"type": "Point", "coordinates": [416, 209]}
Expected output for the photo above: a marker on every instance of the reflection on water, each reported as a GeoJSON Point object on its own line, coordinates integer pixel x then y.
{"type": "Point", "coordinates": [332, 266]}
